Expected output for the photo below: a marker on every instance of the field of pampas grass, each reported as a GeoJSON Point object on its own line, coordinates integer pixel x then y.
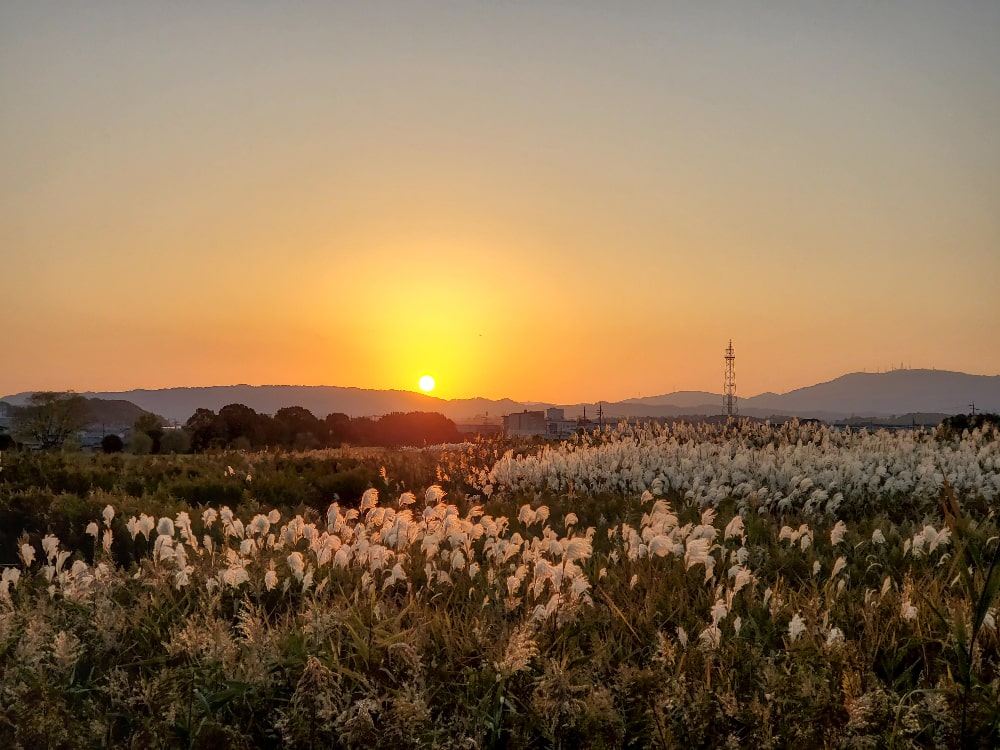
{"type": "Point", "coordinates": [732, 586]}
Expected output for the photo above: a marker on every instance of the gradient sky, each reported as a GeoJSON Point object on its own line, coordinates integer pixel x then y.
{"type": "Point", "coordinates": [559, 201]}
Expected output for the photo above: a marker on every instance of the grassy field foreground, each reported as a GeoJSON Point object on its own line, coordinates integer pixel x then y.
{"type": "Point", "coordinates": [657, 587]}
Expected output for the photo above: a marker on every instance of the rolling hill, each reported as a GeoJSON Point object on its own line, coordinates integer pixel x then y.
{"type": "Point", "coordinates": [856, 394]}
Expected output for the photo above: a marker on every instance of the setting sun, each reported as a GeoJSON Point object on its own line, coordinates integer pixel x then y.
{"type": "Point", "coordinates": [426, 383]}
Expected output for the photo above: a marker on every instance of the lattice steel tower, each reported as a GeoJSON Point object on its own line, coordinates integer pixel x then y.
{"type": "Point", "coordinates": [729, 392]}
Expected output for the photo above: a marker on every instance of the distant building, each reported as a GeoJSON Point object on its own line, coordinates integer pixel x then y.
{"type": "Point", "coordinates": [485, 429]}
{"type": "Point", "coordinates": [525, 424]}
{"type": "Point", "coordinates": [6, 415]}
{"type": "Point", "coordinates": [90, 438]}
{"type": "Point", "coordinates": [551, 423]}
{"type": "Point", "coordinates": [481, 424]}
{"type": "Point", "coordinates": [563, 428]}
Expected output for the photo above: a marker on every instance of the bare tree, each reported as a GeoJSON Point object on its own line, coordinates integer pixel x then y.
{"type": "Point", "coordinates": [50, 418]}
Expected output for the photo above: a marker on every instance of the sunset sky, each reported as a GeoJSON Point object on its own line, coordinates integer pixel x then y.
{"type": "Point", "coordinates": [552, 201]}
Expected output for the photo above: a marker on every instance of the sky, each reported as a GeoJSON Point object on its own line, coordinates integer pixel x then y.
{"type": "Point", "coordinates": [547, 201]}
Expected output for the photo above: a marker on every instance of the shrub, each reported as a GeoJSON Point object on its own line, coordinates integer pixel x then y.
{"type": "Point", "coordinates": [112, 444]}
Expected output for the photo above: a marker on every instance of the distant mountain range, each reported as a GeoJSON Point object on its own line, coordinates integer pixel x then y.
{"type": "Point", "coordinates": [854, 395]}
{"type": "Point", "coordinates": [858, 394]}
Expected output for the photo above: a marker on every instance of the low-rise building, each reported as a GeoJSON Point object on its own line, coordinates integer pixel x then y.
{"type": "Point", "coordinates": [485, 429]}
{"type": "Point", "coordinates": [552, 423]}
{"type": "Point", "coordinates": [525, 424]}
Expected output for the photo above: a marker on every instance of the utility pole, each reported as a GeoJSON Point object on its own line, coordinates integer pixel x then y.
{"type": "Point", "coordinates": [973, 407]}
{"type": "Point", "coordinates": [729, 392]}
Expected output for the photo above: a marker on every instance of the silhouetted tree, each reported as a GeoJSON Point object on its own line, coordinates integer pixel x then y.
{"type": "Point", "coordinates": [50, 418]}
{"type": "Point", "coordinates": [112, 444]}
{"type": "Point", "coordinates": [299, 428]}
{"type": "Point", "coordinates": [340, 429]}
{"type": "Point", "coordinates": [364, 431]}
{"type": "Point", "coordinates": [240, 421]}
{"type": "Point", "coordinates": [296, 427]}
{"type": "Point", "coordinates": [140, 443]}
{"type": "Point", "coordinates": [205, 430]}
{"type": "Point", "coordinates": [175, 441]}
{"type": "Point", "coordinates": [414, 428]}
{"type": "Point", "coordinates": [152, 426]}
{"type": "Point", "coordinates": [955, 425]}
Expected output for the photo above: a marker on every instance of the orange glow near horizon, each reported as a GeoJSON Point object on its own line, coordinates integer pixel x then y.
{"type": "Point", "coordinates": [591, 217]}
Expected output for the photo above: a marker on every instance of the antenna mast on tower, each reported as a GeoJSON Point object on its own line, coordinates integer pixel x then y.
{"type": "Point", "coordinates": [729, 392]}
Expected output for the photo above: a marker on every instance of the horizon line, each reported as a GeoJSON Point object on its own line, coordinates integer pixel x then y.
{"type": "Point", "coordinates": [503, 398]}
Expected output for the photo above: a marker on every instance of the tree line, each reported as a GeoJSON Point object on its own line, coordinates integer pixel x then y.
{"type": "Point", "coordinates": [50, 420]}
{"type": "Point", "coordinates": [297, 428]}
{"type": "Point", "coordinates": [955, 425]}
